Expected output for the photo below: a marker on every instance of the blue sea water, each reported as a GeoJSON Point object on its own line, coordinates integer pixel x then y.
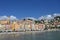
{"type": "Point", "coordinates": [52, 35]}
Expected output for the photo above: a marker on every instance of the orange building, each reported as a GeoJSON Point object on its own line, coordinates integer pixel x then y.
{"type": "Point", "coordinates": [3, 21]}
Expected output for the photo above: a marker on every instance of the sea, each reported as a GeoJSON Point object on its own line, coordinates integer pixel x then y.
{"type": "Point", "coordinates": [48, 35]}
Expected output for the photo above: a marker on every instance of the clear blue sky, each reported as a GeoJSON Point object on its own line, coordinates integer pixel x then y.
{"type": "Point", "coordinates": [29, 8]}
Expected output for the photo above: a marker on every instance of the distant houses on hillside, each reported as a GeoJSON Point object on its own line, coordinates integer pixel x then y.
{"type": "Point", "coordinates": [29, 24]}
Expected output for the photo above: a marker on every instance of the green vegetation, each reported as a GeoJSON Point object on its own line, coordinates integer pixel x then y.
{"type": "Point", "coordinates": [37, 21]}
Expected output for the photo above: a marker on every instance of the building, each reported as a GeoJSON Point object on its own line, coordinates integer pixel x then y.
{"type": "Point", "coordinates": [15, 26]}
{"type": "Point", "coordinates": [28, 24]}
{"type": "Point", "coordinates": [2, 27]}
{"type": "Point", "coordinates": [36, 26]}
{"type": "Point", "coordinates": [39, 26]}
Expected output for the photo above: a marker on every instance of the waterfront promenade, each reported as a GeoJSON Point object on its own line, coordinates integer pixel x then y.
{"type": "Point", "coordinates": [27, 32]}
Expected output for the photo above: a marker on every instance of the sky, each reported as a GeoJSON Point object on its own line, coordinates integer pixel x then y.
{"type": "Point", "coordinates": [29, 8]}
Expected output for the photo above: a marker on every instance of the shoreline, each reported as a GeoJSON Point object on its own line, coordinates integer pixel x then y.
{"type": "Point", "coordinates": [50, 30]}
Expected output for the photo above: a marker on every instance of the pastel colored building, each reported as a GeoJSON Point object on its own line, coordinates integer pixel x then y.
{"type": "Point", "coordinates": [28, 24]}
{"type": "Point", "coordinates": [14, 26]}
{"type": "Point", "coordinates": [8, 27]}
{"type": "Point", "coordinates": [3, 21]}
{"type": "Point", "coordinates": [36, 26]}
{"type": "Point", "coordinates": [39, 26]}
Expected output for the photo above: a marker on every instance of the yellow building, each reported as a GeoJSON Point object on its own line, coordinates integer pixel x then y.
{"type": "Point", "coordinates": [2, 27]}
{"type": "Point", "coordinates": [15, 26]}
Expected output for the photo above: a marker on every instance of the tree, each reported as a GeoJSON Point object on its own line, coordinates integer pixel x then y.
{"type": "Point", "coordinates": [57, 18]}
{"type": "Point", "coordinates": [37, 21]}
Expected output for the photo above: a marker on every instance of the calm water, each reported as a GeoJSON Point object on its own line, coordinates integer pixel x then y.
{"type": "Point", "coordinates": [32, 36]}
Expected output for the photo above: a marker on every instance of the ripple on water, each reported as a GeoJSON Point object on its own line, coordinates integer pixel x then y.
{"type": "Point", "coordinates": [32, 36]}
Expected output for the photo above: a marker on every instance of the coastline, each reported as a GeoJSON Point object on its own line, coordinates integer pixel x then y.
{"type": "Point", "coordinates": [30, 31]}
